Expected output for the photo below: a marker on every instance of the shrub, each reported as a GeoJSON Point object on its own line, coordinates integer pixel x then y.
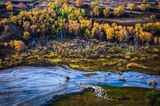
{"type": "Point", "coordinates": [67, 77]}
{"type": "Point", "coordinates": [153, 17]}
{"type": "Point", "coordinates": [56, 60]}
{"type": "Point", "coordinates": [143, 58]}
{"type": "Point", "coordinates": [127, 57]}
{"type": "Point", "coordinates": [134, 59]}
{"type": "Point", "coordinates": [74, 66]}
{"type": "Point", "coordinates": [133, 65]}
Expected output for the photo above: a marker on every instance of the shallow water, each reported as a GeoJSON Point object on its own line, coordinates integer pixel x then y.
{"type": "Point", "coordinates": [25, 86]}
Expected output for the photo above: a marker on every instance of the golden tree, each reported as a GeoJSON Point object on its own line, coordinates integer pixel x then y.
{"type": "Point", "coordinates": [110, 33]}
{"type": "Point", "coordinates": [118, 11]}
{"type": "Point", "coordinates": [101, 1]}
{"type": "Point", "coordinates": [33, 28]}
{"type": "Point", "coordinates": [156, 40]}
{"type": "Point", "coordinates": [79, 3]}
{"type": "Point", "coordinates": [145, 36]}
{"type": "Point", "coordinates": [122, 34]}
{"type": "Point", "coordinates": [106, 11]}
{"type": "Point", "coordinates": [132, 6]}
{"type": "Point", "coordinates": [143, 7]}
{"type": "Point", "coordinates": [9, 6]}
{"type": "Point", "coordinates": [74, 27]}
{"type": "Point", "coordinates": [148, 6]}
{"type": "Point", "coordinates": [158, 6]}
{"type": "Point", "coordinates": [138, 28]}
{"type": "Point", "coordinates": [26, 25]}
{"type": "Point", "coordinates": [26, 35]}
{"type": "Point", "coordinates": [59, 2]}
{"type": "Point", "coordinates": [96, 10]}
{"type": "Point", "coordinates": [94, 4]}
{"type": "Point", "coordinates": [77, 12]}
{"type": "Point", "coordinates": [17, 45]}
{"type": "Point", "coordinates": [86, 23]}
{"type": "Point", "coordinates": [13, 19]}
{"type": "Point", "coordinates": [93, 31]}
{"type": "Point", "coordinates": [87, 33]}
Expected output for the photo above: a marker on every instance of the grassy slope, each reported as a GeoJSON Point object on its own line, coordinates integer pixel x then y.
{"type": "Point", "coordinates": [121, 96]}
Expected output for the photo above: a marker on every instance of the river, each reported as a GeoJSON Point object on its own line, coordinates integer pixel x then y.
{"type": "Point", "coordinates": [28, 85]}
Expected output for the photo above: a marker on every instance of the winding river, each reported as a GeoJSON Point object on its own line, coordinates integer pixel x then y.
{"type": "Point", "coordinates": [25, 86]}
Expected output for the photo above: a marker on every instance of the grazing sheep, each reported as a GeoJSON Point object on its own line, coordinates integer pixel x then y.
{"type": "Point", "coordinates": [100, 92]}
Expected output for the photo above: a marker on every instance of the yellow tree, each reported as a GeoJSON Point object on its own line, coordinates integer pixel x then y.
{"type": "Point", "coordinates": [145, 36]}
{"type": "Point", "coordinates": [118, 11]}
{"type": "Point", "coordinates": [106, 11]}
{"type": "Point", "coordinates": [26, 35]}
{"type": "Point", "coordinates": [87, 33]}
{"type": "Point", "coordinates": [96, 11]}
{"type": "Point", "coordinates": [101, 1]}
{"type": "Point", "coordinates": [93, 31]}
{"type": "Point", "coordinates": [156, 40]}
{"type": "Point", "coordinates": [148, 6]}
{"type": "Point", "coordinates": [122, 34]}
{"type": "Point", "coordinates": [33, 28]}
{"type": "Point", "coordinates": [74, 27]}
{"type": "Point", "coordinates": [158, 6]}
{"type": "Point", "coordinates": [9, 6]}
{"type": "Point", "coordinates": [110, 33]}
{"type": "Point", "coordinates": [85, 23]}
{"type": "Point", "coordinates": [26, 25]}
{"type": "Point", "coordinates": [143, 7]}
{"type": "Point", "coordinates": [132, 6]}
{"type": "Point", "coordinates": [138, 28]}
{"type": "Point", "coordinates": [79, 3]}
{"type": "Point", "coordinates": [17, 45]}
{"type": "Point", "coordinates": [13, 19]}
{"type": "Point", "coordinates": [77, 12]}
{"type": "Point", "coordinates": [94, 4]}
{"type": "Point", "coordinates": [59, 2]}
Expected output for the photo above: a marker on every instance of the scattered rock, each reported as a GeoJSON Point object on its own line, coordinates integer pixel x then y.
{"type": "Point", "coordinates": [121, 78]}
